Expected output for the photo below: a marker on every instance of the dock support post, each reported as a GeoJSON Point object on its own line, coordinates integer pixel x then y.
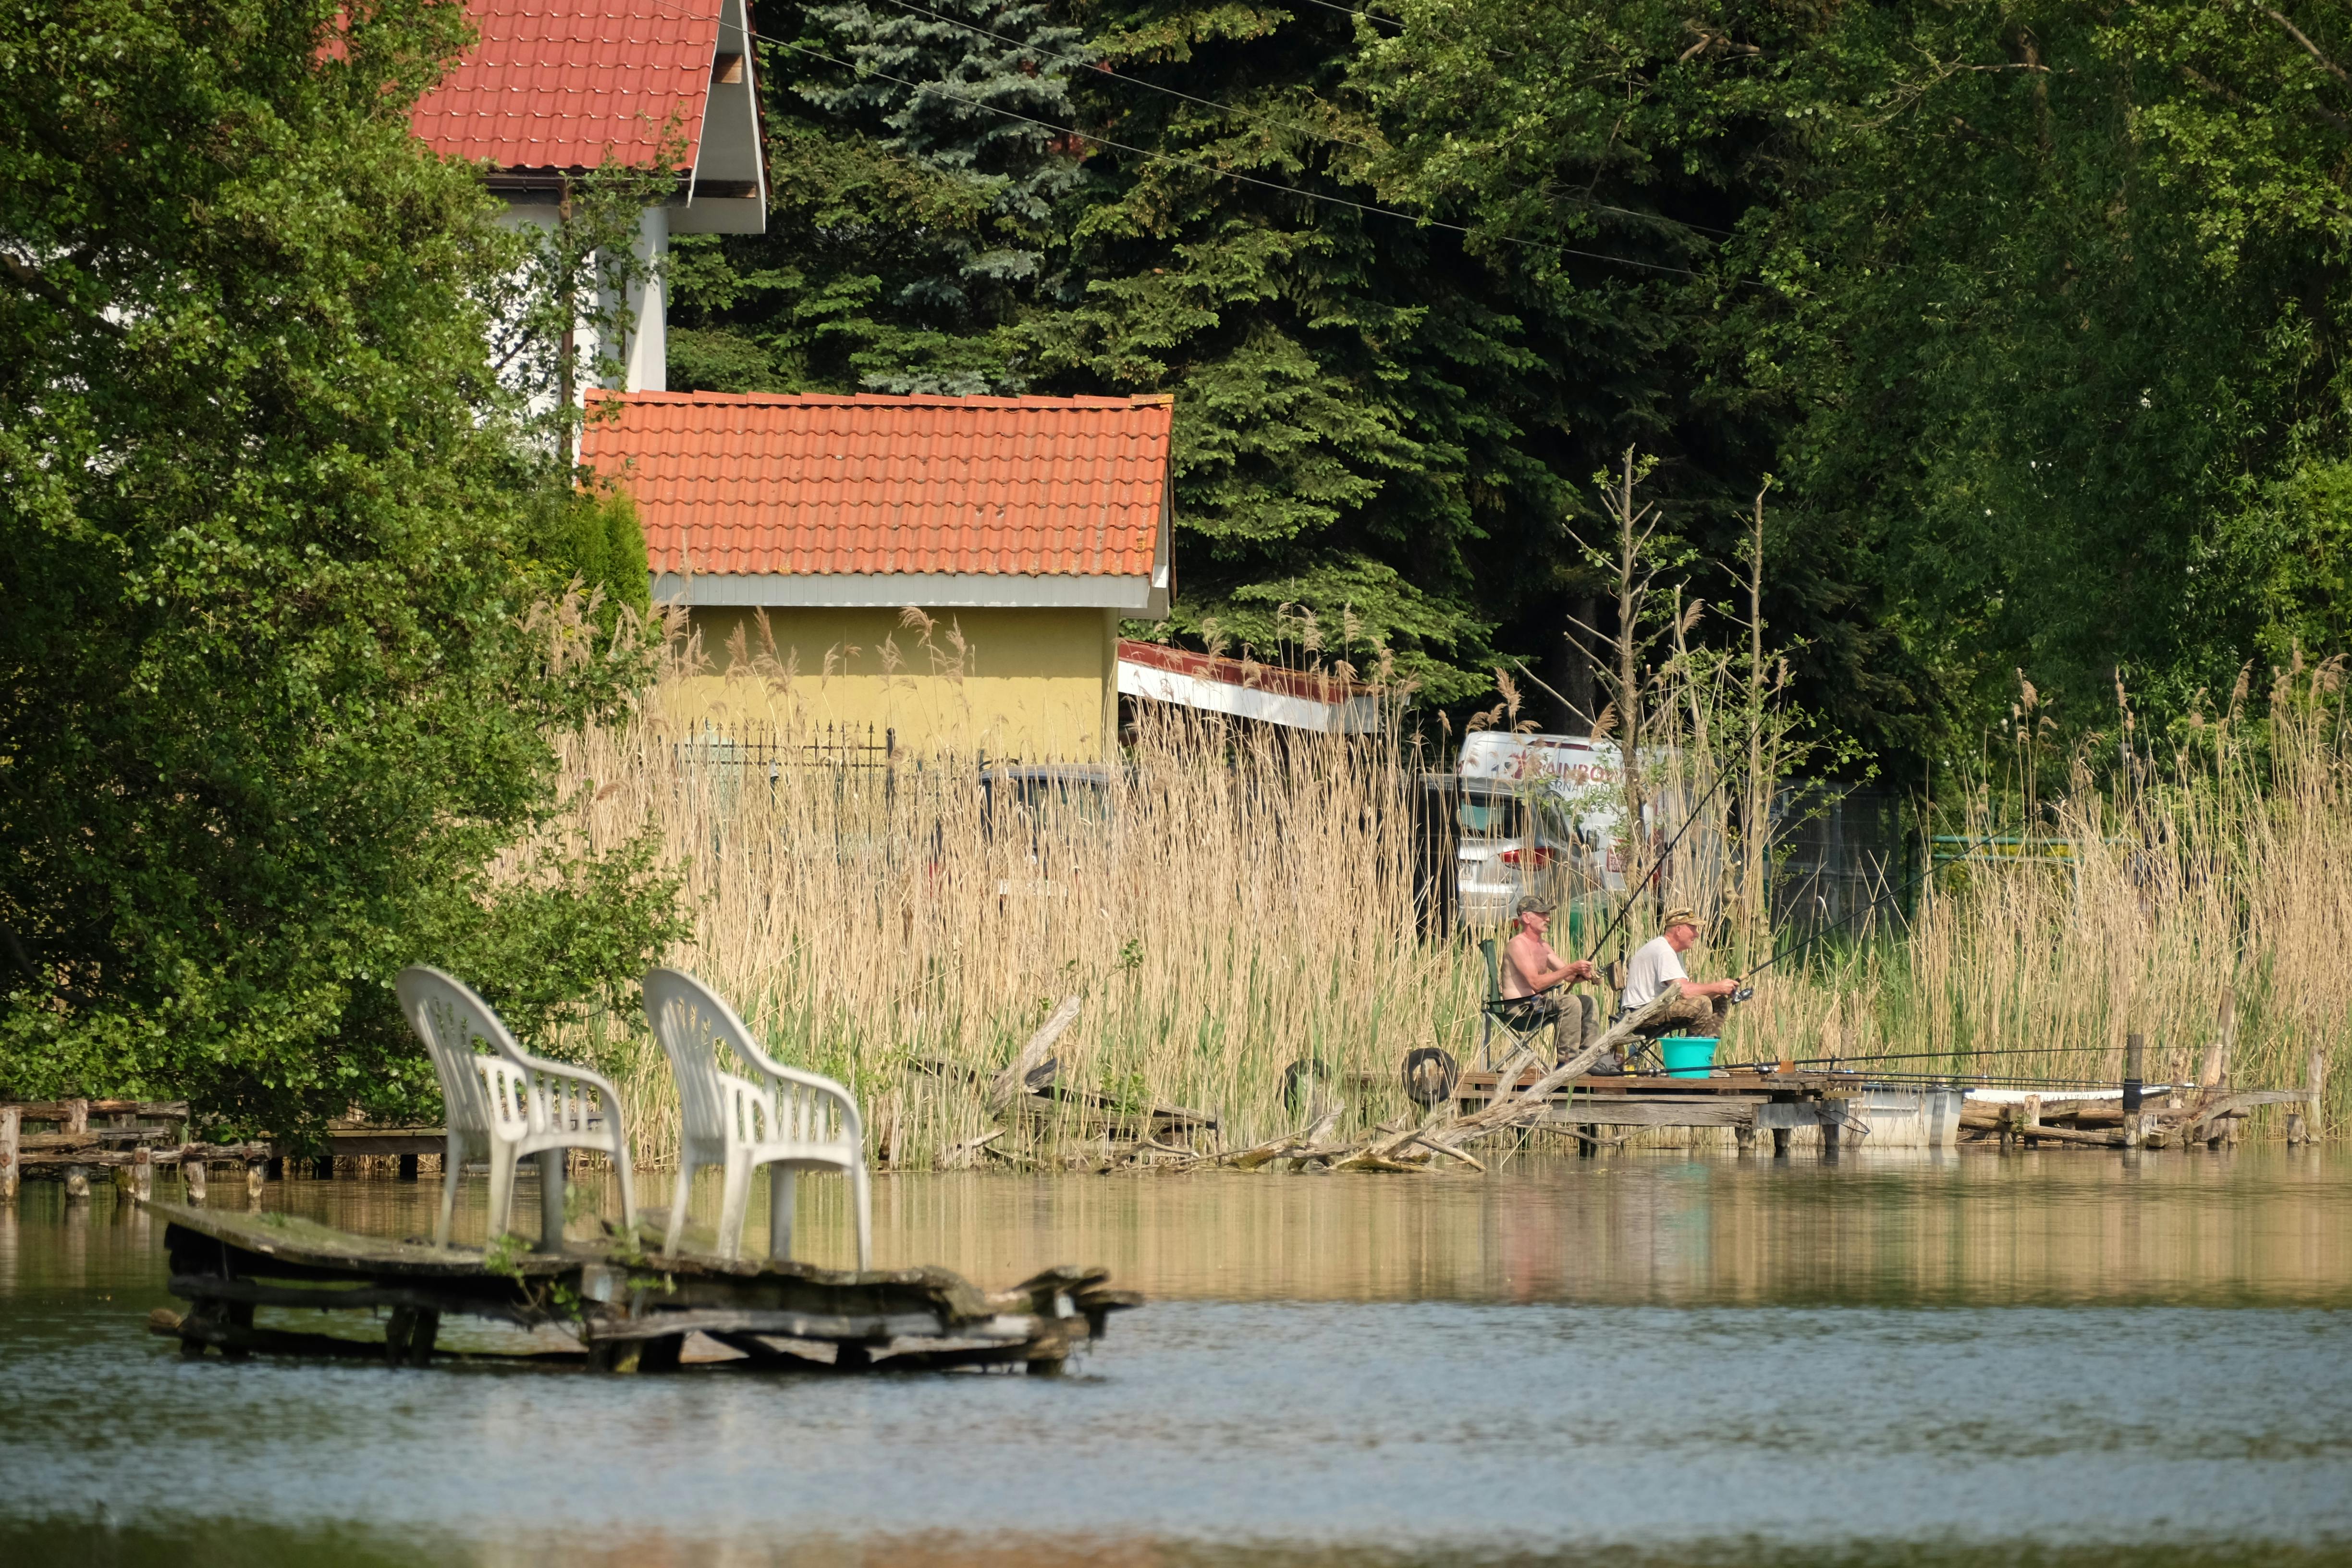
{"type": "Point", "coordinates": [1743, 1139]}
{"type": "Point", "coordinates": [256, 1172]}
{"type": "Point", "coordinates": [1830, 1139]}
{"type": "Point", "coordinates": [550, 1199]}
{"type": "Point", "coordinates": [11, 1148]}
{"type": "Point", "coordinates": [76, 1184]}
{"type": "Point", "coordinates": [1589, 1146]}
{"type": "Point", "coordinates": [2029, 1121]}
{"type": "Point", "coordinates": [193, 1171]}
{"type": "Point", "coordinates": [138, 1178]}
{"type": "Point", "coordinates": [1779, 1143]}
{"type": "Point", "coordinates": [2303, 1121]}
{"type": "Point", "coordinates": [2135, 1059]}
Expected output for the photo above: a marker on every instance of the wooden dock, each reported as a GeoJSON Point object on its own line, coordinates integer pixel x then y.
{"type": "Point", "coordinates": [630, 1310]}
{"type": "Point", "coordinates": [1853, 1108]}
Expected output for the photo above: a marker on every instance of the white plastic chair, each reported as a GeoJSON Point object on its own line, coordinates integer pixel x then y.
{"type": "Point", "coordinates": [508, 1103]}
{"type": "Point", "coordinates": [795, 1122]}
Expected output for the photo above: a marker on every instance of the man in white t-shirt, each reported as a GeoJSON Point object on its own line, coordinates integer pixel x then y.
{"type": "Point", "coordinates": [1658, 966]}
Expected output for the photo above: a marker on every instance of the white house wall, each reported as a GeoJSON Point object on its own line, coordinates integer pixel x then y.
{"type": "Point", "coordinates": [728, 159]}
{"type": "Point", "coordinates": [645, 357]}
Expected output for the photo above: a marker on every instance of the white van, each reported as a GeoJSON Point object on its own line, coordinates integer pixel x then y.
{"type": "Point", "coordinates": [1538, 813]}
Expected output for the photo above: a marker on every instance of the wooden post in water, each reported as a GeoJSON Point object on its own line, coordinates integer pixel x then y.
{"type": "Point", "coordinates": [2029, 1121]}
{"type": "Point", "coordinates": [142, 1184]}
{"type": "Point", "coordinates": [2135, 1059]}
{"type": "Point", "coordinates": [1743, 1139]}
{"type": "Point", "coordinates": [193, 1171]}
{"type": "Point", "coordinates": [256, 1172]}
{"type": "Point", "coordinates": [76, 1184]}
{"type": "Point", "coordinates": [10, 1149]}
{"type": "Point", "coordinates": [2303, 1121]}
{"type": "Point", "coordinates": [1779, 1143]}
{"type": "Point", "coordinates": [2216, 1070]}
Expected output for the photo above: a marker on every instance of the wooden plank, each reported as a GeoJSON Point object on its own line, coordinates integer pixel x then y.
{"type": "Point", "coordinates": [660, 1324]}
{"type": "Point", "coordinates": [238, 1341]}
{"type": "Point", "coordinates": [306, 1244]}
{"type": "Point", "coordinates": [213, 1288]}
{"type": "Point", "coordinates": [1714, 1112]}
{"type": "Point", "coordinates": [406, 1141]}
{"type": "Point", "coordinates": [63, 1110]}
{"type": "Point", "coordinates": [1478, 1087]}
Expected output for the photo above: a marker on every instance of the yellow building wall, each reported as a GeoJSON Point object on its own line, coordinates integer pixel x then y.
{"type": "Point", "coordinates": [1038, 685]}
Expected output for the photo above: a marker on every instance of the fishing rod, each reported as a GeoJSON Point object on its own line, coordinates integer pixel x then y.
{"type": "Point", "coordinates": [1634, 895]}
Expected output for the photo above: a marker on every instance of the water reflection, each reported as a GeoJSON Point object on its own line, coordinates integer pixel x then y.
{"type": "Point", "coordinates": [1639, 1359]}
{"type": "Point", "coordinates": [2259, 1225]}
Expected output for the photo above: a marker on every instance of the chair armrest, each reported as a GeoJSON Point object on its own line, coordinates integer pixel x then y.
{"type": "Point", "coordinates": [552, 1084]}
{"type": "Point", "coordinates": [816, 1083]}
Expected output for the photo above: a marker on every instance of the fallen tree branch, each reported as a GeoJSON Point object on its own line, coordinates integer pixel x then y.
{"type": "Point", "coordinates": [1013, 1079]}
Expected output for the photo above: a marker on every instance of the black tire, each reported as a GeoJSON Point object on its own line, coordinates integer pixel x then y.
{"type": "Point", "coordinates": [1430, 1075]}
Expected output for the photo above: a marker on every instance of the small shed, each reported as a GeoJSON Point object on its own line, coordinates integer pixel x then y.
{"type": "Point", "coordinates": [950, 571]}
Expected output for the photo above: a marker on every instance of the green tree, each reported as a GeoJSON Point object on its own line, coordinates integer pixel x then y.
{"type": "Point", "coordinates": [913, 215]}
{"type": "Point", "coordinates": [277, 683]}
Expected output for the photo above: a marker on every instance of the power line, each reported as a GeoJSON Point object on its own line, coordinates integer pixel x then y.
{"type": "Point", "coordinates": [1366, 207]}
{"type": "Point", "coordinates": [1098, 68]}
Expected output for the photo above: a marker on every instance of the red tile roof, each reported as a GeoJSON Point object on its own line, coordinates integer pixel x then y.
{"type": "Point", "coordinates": [816, 484]}
{"type": "Point", "coordinates": [557, 83]}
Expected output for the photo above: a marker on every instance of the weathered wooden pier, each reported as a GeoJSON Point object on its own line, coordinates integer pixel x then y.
{"type": "Point", "coordinates": [127, 1140]}
{"type": "Point", "coordinates": [629, 1310]}
{"type": "Point", "coordinates": [1855, 1108]}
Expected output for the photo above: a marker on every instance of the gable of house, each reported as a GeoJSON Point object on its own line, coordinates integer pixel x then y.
{"type": "Point", "coordinates": [554, 88]}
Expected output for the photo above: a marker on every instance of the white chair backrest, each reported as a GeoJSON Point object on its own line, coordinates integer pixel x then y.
{"type": "Point", "coordinates": [448, 1017]}
{"type": "Point", "coordinates": [691, 1020]}
{"type": "Point", "coordinates": [686, 1019]}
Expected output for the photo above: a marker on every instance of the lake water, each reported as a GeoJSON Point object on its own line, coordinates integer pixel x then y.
{"type": "Point", "coordinates": [2057, 1357]}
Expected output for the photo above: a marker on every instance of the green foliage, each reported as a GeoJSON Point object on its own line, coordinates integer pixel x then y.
{"type": "Point", "coordinates": [278, 681]}
{"type": "Point", "coordinates": [594, 539]}
{"type": "Point", "coordinates": [2035, 308]}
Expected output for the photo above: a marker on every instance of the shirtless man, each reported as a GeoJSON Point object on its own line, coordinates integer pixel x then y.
{"type": "Point", "coordinates": [1530, 968]}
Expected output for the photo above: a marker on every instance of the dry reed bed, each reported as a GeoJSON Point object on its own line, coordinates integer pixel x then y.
{"type": "Point", "coordinates": [1231, 903]}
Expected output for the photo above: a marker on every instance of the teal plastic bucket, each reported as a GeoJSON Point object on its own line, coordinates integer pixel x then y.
{"type": "Point", "coordinates": [1688, 1056]}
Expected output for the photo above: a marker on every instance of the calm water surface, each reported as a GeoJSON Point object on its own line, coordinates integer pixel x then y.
{"type": "Point", "coordinates": [1641, 1359]}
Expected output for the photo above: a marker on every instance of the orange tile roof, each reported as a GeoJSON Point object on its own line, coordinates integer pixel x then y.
{"type": "Point", "coordinates": [753, 483]}
{"type": "Point", "coordinates": [556, 84]}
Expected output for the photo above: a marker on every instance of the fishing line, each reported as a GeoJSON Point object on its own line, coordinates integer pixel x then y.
{"type": "Point", "coordinates": [1657, 864]}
